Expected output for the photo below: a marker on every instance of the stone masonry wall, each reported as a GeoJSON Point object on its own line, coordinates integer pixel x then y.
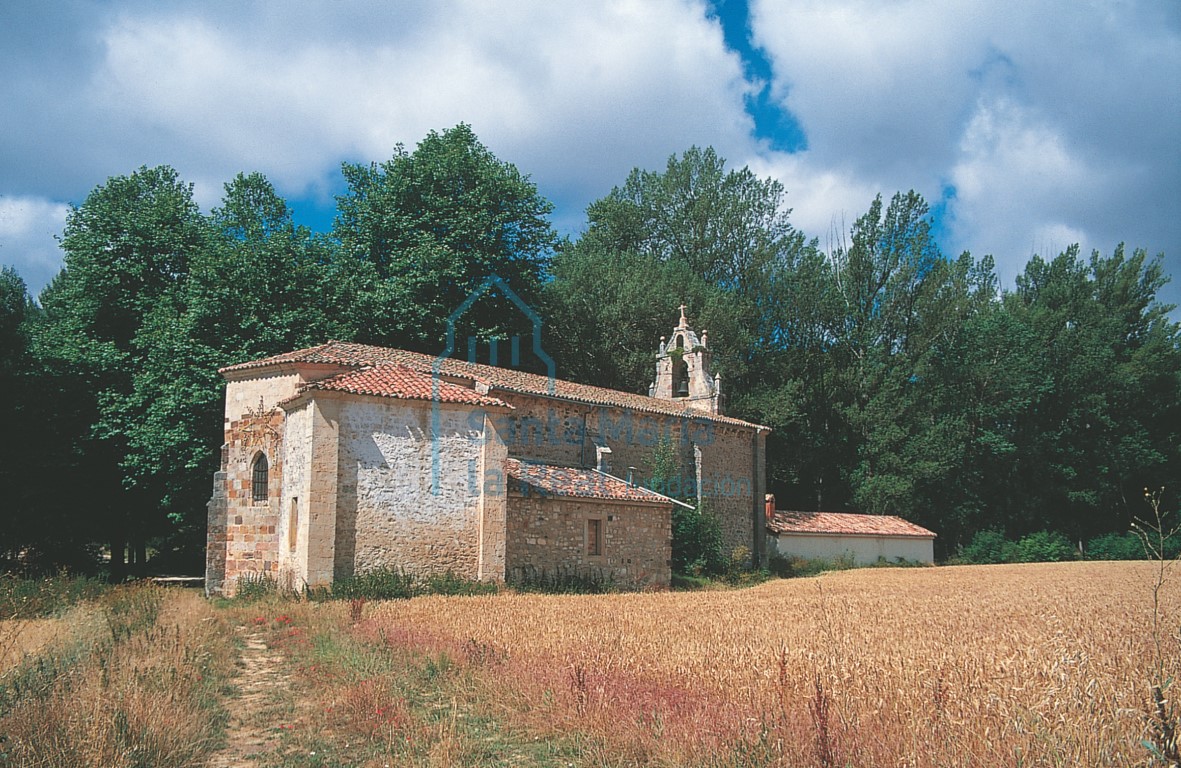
{"type": "Point", "coordinates": [293, 507]}
{"type": "Point", "coordinates": [731, 480]}
{"type": "Point", "coordinates": [250, 543]}
{"type": "Point", "coordinates": [389, 513]}
{"type": "Point", "coordinates": [729, 476]}
{"type": "Point", "coordinates": [215, 547]}
{"type": "Point", "coordinates": [242, 536]}
{"type": "Point", "coordinates": [545, 430]}
{"type": "Point", "coordinates": [244, 396]}
{"type": "Point", "coordinates": [323, 496]}
{"type": "Point", "coordinates": [493, 508]}
{"type": "Point", "coordinates": [549, 535]}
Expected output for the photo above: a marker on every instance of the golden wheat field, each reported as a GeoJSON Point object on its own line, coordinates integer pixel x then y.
{"type": "Point", "coordinates": [1041, 664]}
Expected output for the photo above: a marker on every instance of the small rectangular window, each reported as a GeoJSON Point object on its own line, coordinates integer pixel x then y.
{"type": "Point", "coordinates": [594, 537]}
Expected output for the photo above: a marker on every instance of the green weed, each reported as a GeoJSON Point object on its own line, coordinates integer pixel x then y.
{"type": "Point", "coordinates": [29, 598]}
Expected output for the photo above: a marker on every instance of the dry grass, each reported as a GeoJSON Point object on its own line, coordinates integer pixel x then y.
{"type": "Point", "coordinates": [22, 638]}
{"type": "Point", "coordinates": [1025, 665]}
{"type": "Point", "coordinates": [1001, 665]}
{"type": "Point", "coordinates": [135, 682]}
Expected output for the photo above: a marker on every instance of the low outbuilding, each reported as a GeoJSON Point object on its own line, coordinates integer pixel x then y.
{"type": "Point", "coordinates": [865, 539]}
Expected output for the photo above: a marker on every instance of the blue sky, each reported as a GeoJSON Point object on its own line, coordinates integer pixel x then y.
{"type": "Point", "coordinates": [1027, 125]}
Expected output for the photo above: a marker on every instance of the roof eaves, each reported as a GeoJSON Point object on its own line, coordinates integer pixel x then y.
{"type": "Point", "coordinates": [325, 388]}
{"type": "Point", "coordinates": [788, 532]}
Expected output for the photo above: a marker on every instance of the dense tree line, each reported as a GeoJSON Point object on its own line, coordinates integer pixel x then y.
{"type": "Point", "coordinates": [898, 380]}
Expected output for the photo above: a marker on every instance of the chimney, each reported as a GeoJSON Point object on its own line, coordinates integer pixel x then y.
{"type": "Point", "coordinates": [770, 507]}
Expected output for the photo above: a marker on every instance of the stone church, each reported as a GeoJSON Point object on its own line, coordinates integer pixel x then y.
{"type": "Point", "coordinates": [345, 457]}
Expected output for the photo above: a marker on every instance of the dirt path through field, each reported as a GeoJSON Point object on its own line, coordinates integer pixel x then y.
{"type": "Point", "coordinates": [260, 680]}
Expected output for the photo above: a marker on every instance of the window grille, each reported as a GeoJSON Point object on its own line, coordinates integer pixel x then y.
{"type": "Point", "coordinates": [258, 480]}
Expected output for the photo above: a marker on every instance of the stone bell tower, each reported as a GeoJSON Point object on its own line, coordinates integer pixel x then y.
{"type": "Point", "coordinates": [682, 370]}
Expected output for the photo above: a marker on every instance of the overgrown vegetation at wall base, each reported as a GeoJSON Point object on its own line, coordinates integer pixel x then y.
{"type": "Point", "coordinates": [393, 583]}
{"type": "Point", "coordinates": [697, 542]}
{"type": "Point", "coordinates": [390, 583]}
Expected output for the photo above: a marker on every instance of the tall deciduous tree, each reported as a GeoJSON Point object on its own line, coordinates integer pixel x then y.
{"type": "Point", "coordinates": [14, 306]}
{"type": "Point", "coordinates": [14, 407]}
{"type": "Point", "coordinates": [155, 297]}
{"type": "Point", "coordinates": [1108, 422]}
{"type": "Point", "coordinates": [127, 253]}
{"type": "Point", "coordinates": [260, 286]}
{"type": "Point", "coordinates": [895, 297]}
{"type": "Point", "coordinates": [717, 239]}
{"type": "Point", "coordinates": [48, 519]}
{"type": "Point", "coordinates": [423, 230]}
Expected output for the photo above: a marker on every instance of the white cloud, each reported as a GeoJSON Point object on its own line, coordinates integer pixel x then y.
{"type": "Point", "coordinates": [1051, 119]}
{"type": "Point", "coordinates": [824, 202]}
{"type": "Point", "coordinates": [870, 81]}
{"type": "Point", "coordinates": [576, 95]}
{"type": "Point", "coordinates": [28, 230]}
{"type": "Point", "coordinates": [1018, 184]}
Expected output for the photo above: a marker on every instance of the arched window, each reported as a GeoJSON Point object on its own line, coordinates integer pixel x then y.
{"type": "Point", "coordinates": [258, 479]}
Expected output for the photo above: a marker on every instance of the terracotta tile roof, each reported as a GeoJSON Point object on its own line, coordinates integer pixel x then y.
{"type": "Point", "coordinates": [363, 355]}
{"type": "Point", "coordinates": [403, 383]}
{"type": "Point", "coordinates": [322, 354]}
{"type": "Point", "coordinates": [549, 480]}
{"type": "Point", "coordinates": [845, 523]}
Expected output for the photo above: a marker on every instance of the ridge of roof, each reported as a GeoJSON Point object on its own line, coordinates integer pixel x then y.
{"type": "Point", "coordinates": [402, 383]}
{"type": "Point", "coordinates": [305, 355]}
{"type": "Point", "coordinates": [845, 523]}
{"type": "Point", "coordinates": [351, 354]}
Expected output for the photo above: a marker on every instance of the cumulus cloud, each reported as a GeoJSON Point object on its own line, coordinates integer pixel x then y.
{"type": "Point", "coordinates": [28, 229]}
{"type": "Point", "coordinates": [1033, 121]}
{"type": "Point", "coordinates": [824, 202]}
{"type": "Point", "coordinates": [577, 95]}
{"type": "Point", "coordinates": [1039, 123]}
{"type": "Point", "coordinates": [1019, 186]}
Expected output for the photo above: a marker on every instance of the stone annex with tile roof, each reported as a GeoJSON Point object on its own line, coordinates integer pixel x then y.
{"type": "Point", "coordinates": [345, 457]}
